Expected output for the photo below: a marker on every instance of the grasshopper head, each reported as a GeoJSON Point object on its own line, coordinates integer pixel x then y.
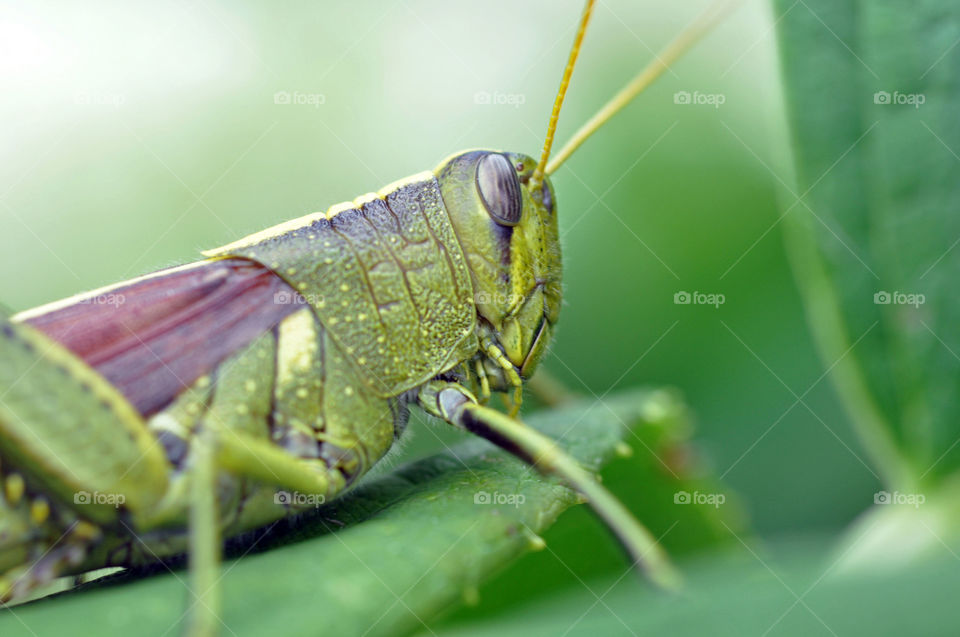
{"type": "Point", "coordinates": [509, 236]}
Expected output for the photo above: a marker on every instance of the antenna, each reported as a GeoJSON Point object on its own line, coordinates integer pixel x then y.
{"type": "Point", "coordinates": [537, 176]}
{"type": "Point", "coordinates": [692, 34]}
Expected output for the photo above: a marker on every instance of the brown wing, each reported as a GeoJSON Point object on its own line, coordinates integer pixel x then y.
{"type": "Point", "coordinates": [155, 336]}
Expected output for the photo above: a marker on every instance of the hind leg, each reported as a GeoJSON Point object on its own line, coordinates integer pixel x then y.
{"type": "Point", "coordinates": [37, 544]}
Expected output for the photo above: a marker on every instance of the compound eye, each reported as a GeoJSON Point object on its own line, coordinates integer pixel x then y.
{"type": "Point", "coordinates": [499, 189]}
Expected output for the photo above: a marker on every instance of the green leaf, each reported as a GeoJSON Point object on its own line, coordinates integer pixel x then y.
{"type": "Point", "coordinates": [873, 92]}
{"type": "Point", "coordinates": [415, 543]}
{"type": "Point", "coordinates": [785, 590]}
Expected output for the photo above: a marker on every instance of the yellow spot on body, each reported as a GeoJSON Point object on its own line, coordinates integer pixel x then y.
{"type": "Point", "coordinates": [361, 316]}
{"type": "Point", "coordinates": [302, 393]}
{"type": "Point", "coordinates": [291, 271]}
{"type": "Point", "coordinates": [362, 360]}
{"type": "Point", "coordinates": [250, 386]}
{"type": "Point", "coordinates": [381, 338]}
{"type": "Point", "coordinates": [242, 409]}
{"type": "Point", "coordinates": [296, 347]}
{"type": "Point", "coordinates": [328, 261]}
{"type": "Point", "coordinates": [333, 320]}
{"type": "Point", "coordinates": [193, 409]}
{"type": "Point", "coordinates": [344, 287]}
{"type": "Point", "coordinates": [39, 511]}
{"type": "Point", "coordinates": [13, 488]}
{"type": "Point", "coordinates": [348, 391]}
{"type": "Point", "coordinates": [85, 530]}
{"type": "Point", "coordinates": [203, 381]}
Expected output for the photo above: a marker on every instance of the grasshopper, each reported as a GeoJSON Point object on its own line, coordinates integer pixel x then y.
{"type": "Point", "coordinates": [287, 362]}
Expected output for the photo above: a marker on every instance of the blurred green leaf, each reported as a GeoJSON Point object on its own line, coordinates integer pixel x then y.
{"type": "Point", "coordinates": [415, 543]}
{"type": "Point", "coordinates": [789, 590]}
{"type": "Point", "coordinates": [873, 92]}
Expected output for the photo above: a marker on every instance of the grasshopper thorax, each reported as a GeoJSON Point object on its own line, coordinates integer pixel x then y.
{"type": "Point", "coordinates": [509, 237]}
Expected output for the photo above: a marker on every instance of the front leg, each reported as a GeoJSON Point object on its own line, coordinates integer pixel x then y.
{"type": "Point", "coordinates": [454, 404]}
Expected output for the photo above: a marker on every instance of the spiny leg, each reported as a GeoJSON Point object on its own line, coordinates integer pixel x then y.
{"type": "Point", "coordinates": [457, 406]}
{"type": "Point", "coordinates": [51, 558]}
{"type": "Point", "coordinates": [81, 451]}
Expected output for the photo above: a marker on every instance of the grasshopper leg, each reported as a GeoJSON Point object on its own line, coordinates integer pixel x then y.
{"type": "Point", "coordinates": [497, 355]}
{"type": "Point", "coordinates": [58, 557]}
{"type": "Point", "coordinates": [216, 449]}
{"type": "Point", "coordinates": [254, 458]}
{"type": "Point", "coordinates": [456, 405]}
{"type": "Point", "coordinates": [205, 545]}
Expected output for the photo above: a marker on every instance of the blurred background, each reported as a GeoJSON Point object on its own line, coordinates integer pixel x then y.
{"type": "Point", "coordinates": [137, 134]}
